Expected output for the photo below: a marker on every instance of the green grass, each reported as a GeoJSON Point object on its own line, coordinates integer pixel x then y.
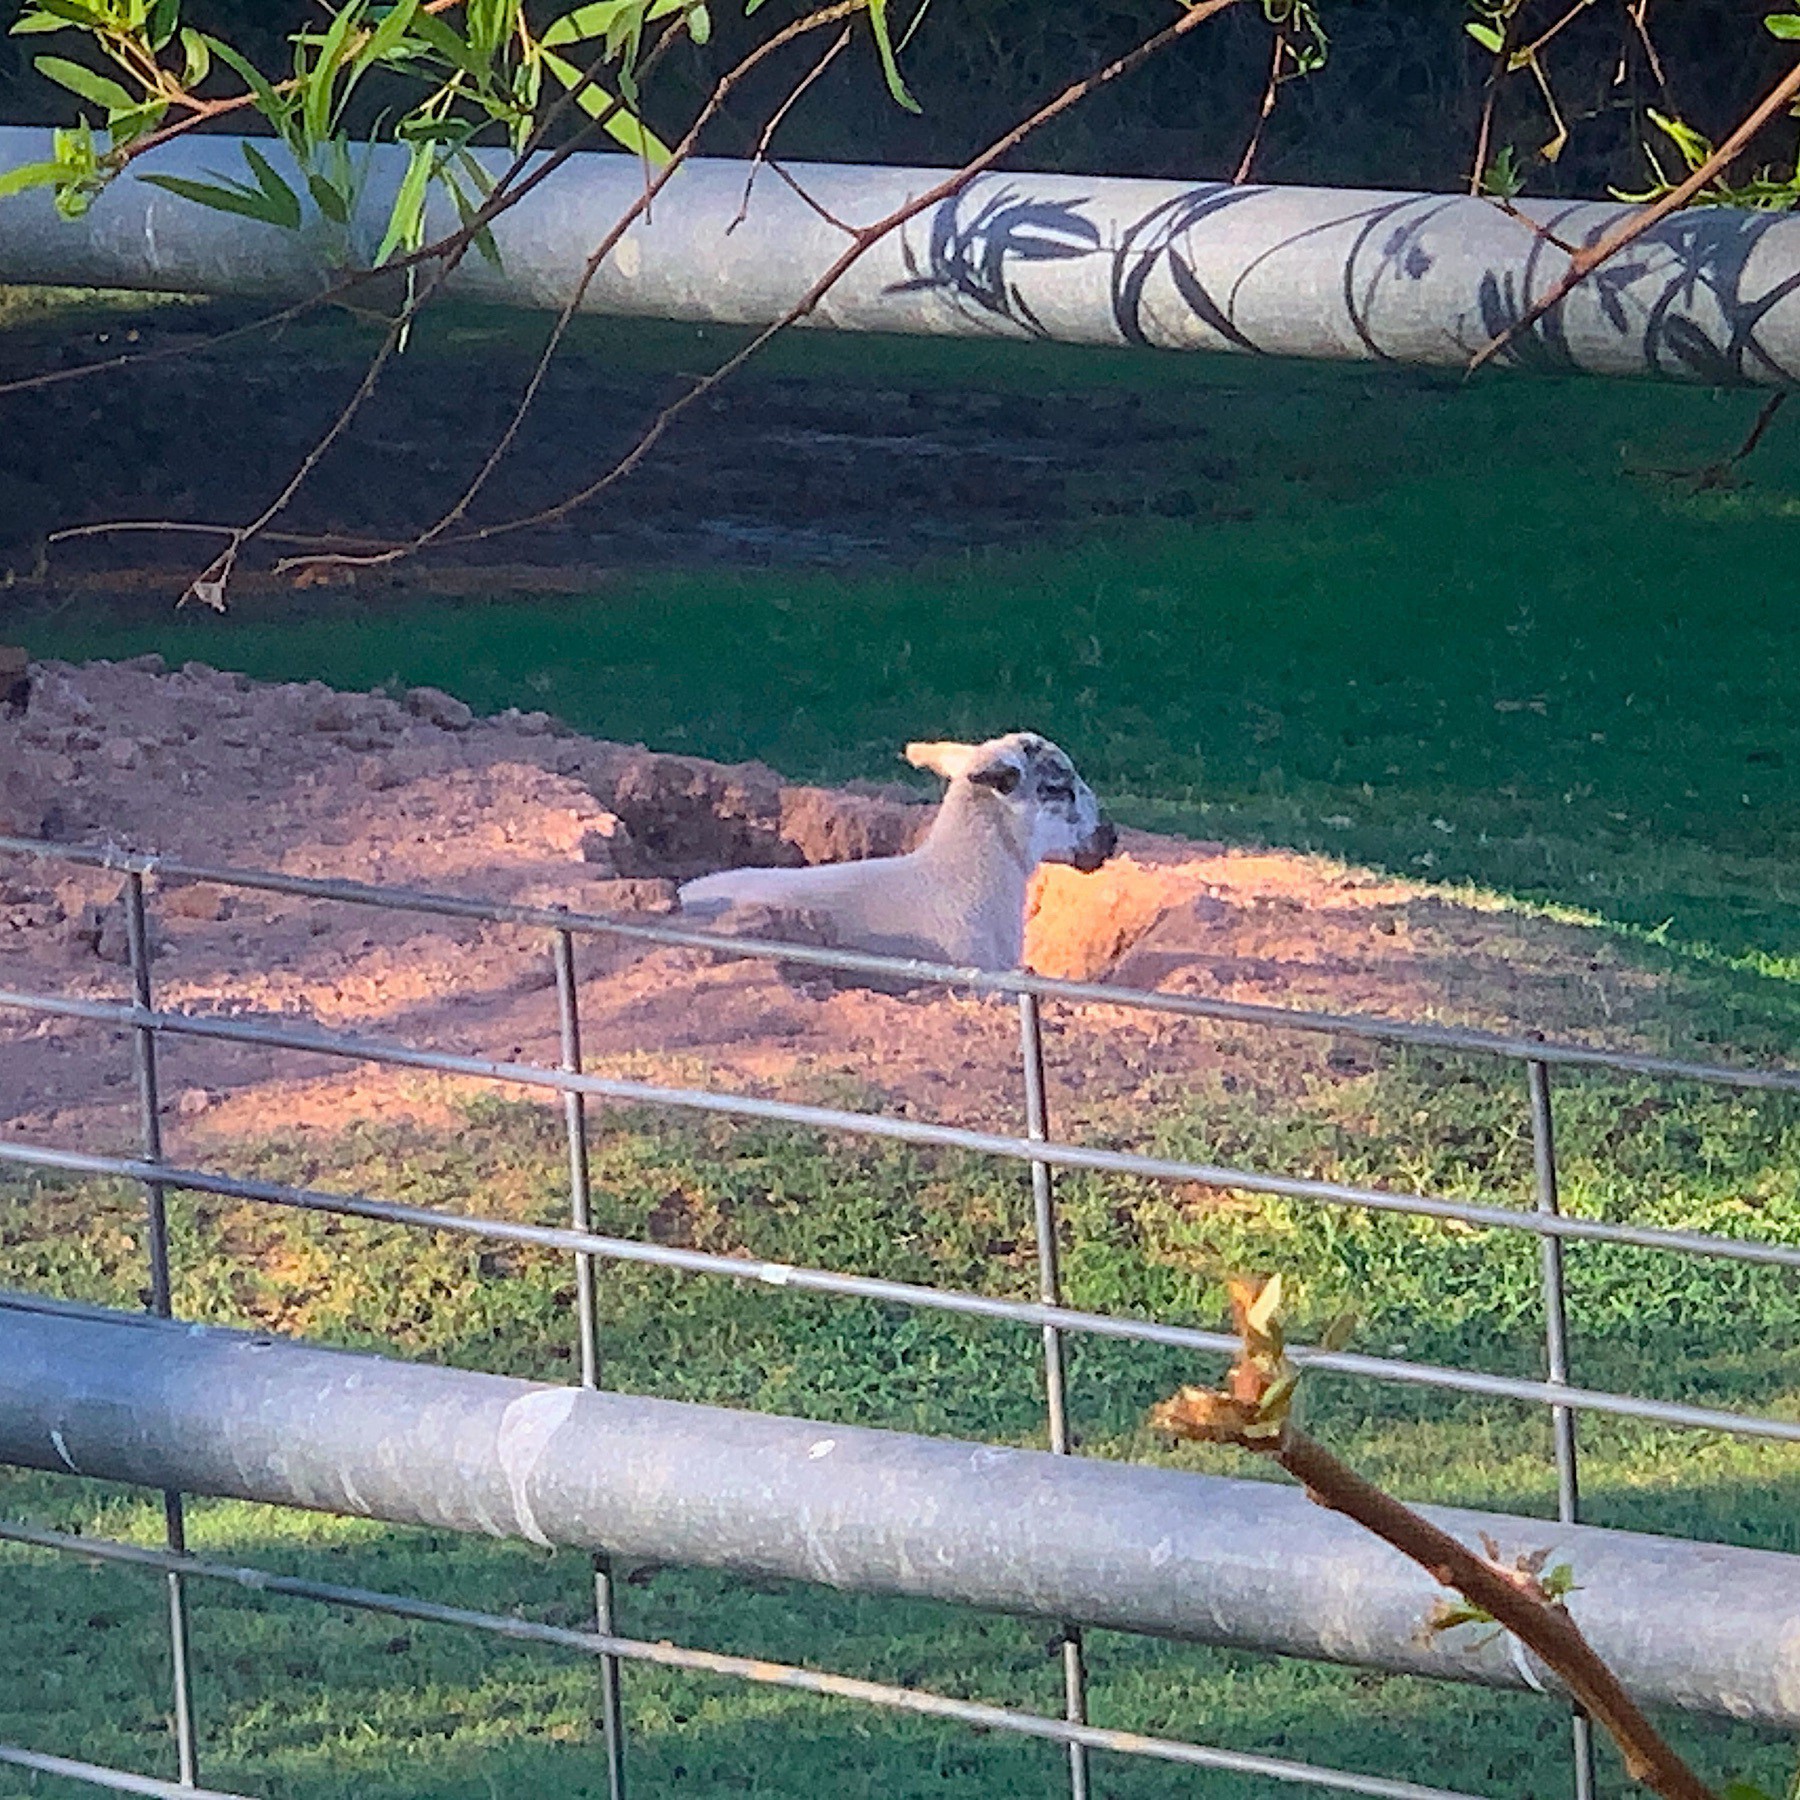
{"type": "Point", "coordinates": [1433, 627]}
{"type": "Point", "coordinates": [1464, 631]}
{"type": "Point", "coordinates": [298, 1707]}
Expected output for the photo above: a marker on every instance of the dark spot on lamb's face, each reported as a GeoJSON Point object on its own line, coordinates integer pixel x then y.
{"type": "Point", "coordinates": [1068, 826]}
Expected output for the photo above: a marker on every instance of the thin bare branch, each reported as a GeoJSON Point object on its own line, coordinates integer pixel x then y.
{"type": "Point", "coordinates": [1722, 473]}
{"type": "Point", "coordinates": [863, 241]}
{"type": "Point", "coordinates": [1542, 1626]}
{"type": "Point", "coordinates": [210, 585]}
{"type": "Point", "coordinates": [1585, 261]}
{"type": "Point", "coordinates": [1253, 1411]}
{"type": "Point", "coordinates": [1271, 92]}
{"type": "Point", "coordinates": [811, 200]}
{"type": "Point", "coordinates": [1638, 11]}
{"type": "Point", "coordinates": [1485, 132]}
{"type": "Point", "coordinates": [799, 27]}
{"type": "Point", "coordinates": [774, 124]}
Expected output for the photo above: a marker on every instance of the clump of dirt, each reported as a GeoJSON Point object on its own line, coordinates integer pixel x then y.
{"type": "Point", "coordinates": [409, 790]}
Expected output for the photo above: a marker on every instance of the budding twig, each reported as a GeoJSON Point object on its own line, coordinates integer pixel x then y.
{"type": "Point", "coordinates": [1254, 1411]}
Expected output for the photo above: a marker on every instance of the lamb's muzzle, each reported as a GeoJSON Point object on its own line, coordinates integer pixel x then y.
{"type": "Point", "coordinates": [1097, 848]}
{"type": "Point", "coordinates": [1012, 803]}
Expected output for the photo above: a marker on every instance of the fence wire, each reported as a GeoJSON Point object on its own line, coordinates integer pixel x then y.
{"type": "Point", "coordinates": [1048, 1316]}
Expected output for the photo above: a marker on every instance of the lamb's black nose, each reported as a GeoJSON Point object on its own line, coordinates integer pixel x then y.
{"type": "Point", "coordinates": [1098, 847]}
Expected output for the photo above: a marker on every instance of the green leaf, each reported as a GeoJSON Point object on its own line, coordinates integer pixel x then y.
{"type": "Point", "coordinates": [1503, 178]}
{"type": "Point", "coordinates": [1694, 148]}
{"type": "Point", "coordinates": [335, 206]}
{"type": "Point", "coordinates": [387, 36]}
{"type": "Point", "coordinates": [37, 174]}
{"type": "Point", "coordinates": [284, 203]}
{"type": "Point", "coordinates": [1781, 25]}
{"type": "Point", "coordinates": [884, 45]}
{"type": "Point", "coordinates": [1263, 1308]}
{"type": "Point", "coordinates": [122, 127]}
{"type": "Point", "coordinates": [482, 238]}
{"type": "Point", "coordinates": [1747, 1790]}
{"type": "Point", "coordinates": [251, 203]}
{"type": "Point", "coordinates": [269, 103]}
{"type": "Point", "coordinates": [83, 81]}
{"type": "Point", "coordinates": [196, 57]}
{"type": "Point", "coordinates": [1486, 35]}
{"type": "Point", "coordinates": [318, 104]}
{"type": "Point", "coordinates": [699, 24]}
{"type": "Point", "coordinates": [1339, 1332]}
{"type": "Point", "coordinates": [54, 15]}
{"type": "Point", "coordinates": [164, 17]}
{"type": "Point", "coordinates": [430, 29]}
{"type": "Point", "coordinates": [623, 127]}
{"type": "Point", "coordinates": [1278, 1400]}
{"type": "Point", "coordinates": [31, 22]}
{"type": "Point", "coordinates": [585, 22]}
{"type": "Point", "coordinates": [409, 203]}
{"type": "Point", "coordinates": [490, 24]}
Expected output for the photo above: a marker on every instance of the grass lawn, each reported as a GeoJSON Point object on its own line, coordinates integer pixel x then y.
{"type": "Point", "coordinates": [1442, 627]}
{"type": "Point", "coordinates": [1449, 633]}
{"type": "Point", "coordinates": [298, 1706]}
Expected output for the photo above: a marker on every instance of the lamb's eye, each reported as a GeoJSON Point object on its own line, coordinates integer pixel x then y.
{"type": "Point", "coordinates": [1057, 791]}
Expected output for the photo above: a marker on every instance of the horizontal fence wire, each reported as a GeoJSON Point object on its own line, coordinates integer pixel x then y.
{"type": "Point", "coordinates": [897, 1293]}
{"type": "Point", "coordinates": [383, 1051]}
{"type": "Point", "coordinates": [743, 1668]}
{"type": "Point", "coordinates": [1551, 1227]}
{"type": "Point", "coordinates": [1372, 1028]}
{"type": "Point", "coordinates": [120, 1781]}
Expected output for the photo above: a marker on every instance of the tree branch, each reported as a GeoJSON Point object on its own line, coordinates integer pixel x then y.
{"type": "Point", "coordinates": [1253, 1411]}
{"type": "Point", "coordinates": [1512, 1601]}
{"type": "Point", "coordinates": [861, 243]}
{"type": "Point", "coordinates": [1585, 261]}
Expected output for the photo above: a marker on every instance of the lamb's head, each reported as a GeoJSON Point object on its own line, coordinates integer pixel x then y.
{"type": "Point", "coordinates": [1052, 812]}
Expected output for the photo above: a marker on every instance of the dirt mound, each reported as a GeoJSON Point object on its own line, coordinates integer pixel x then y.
{"type": "Point", "coordinates": [410, 790]}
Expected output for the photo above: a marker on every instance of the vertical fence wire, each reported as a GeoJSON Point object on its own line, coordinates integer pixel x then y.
{"type": "Point", "coordinates": [612, 1711]}
{"type": "Point", "coordinates": [138, 951]}
{"type": "Point", "coordinates": [1056, 1400]}
{"type": "Point", "coordinates": [1556, 1357]}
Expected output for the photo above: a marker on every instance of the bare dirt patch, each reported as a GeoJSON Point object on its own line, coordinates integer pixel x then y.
{"type": "Point", "coordinates": [407, 790]}
{"type": "Point", "coordinates": [774, 470]}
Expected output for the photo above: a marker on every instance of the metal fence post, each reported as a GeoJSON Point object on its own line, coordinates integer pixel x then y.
{"type": "Point", "coordinates": [143, 1038]}
{"type": "Point", "coordinates": [1043, 1197]}
{"type": "Point", "coordinates": [1556, 1356]}
{"type": "Point", "coordinates": [612, 1713]}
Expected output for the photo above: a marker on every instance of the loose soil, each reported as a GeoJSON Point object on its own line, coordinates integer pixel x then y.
{"type": "Point", "coordinates": [407, 790]}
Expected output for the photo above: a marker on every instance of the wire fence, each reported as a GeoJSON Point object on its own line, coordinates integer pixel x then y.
{"type": "Point", "coordinates": [1037, 1149]}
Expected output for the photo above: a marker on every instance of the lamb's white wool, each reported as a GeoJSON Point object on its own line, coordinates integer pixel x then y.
{"type": "Point", "coordinates": [1012, 803]}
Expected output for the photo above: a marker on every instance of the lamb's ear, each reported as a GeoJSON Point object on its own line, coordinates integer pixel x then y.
{"type": "Point", "coordinates": [945, 759]}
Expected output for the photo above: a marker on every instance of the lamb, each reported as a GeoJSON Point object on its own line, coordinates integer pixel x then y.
{"type": "Point", "coordinates": [1012, 803]}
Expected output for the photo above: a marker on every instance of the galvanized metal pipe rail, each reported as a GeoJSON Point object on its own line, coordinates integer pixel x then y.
{"type": "Point", "coordinates": [1707, 294]}
{"type": "Point", "coordinates": [120, 1781]}
{"type": "Point", "coordinates": [1253, 1564]}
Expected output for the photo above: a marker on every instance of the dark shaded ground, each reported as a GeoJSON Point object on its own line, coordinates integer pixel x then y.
{"type": "Point", "coordinates": [774, 468]}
